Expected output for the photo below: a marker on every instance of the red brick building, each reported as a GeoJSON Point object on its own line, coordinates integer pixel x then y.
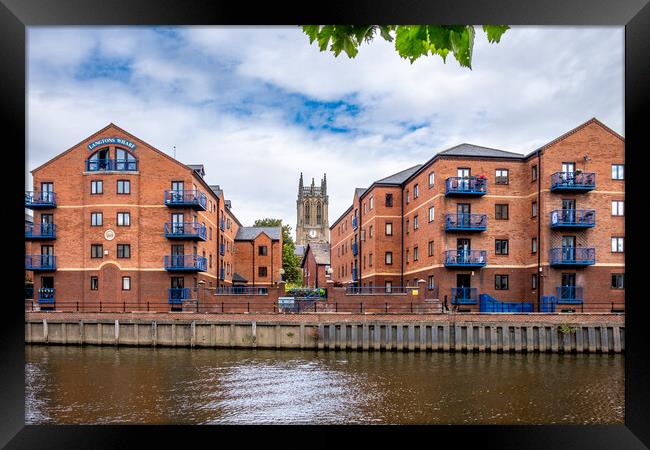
{"type": "Point", "coordinates": [315, 264]}
{"type": "Point", "coordinates": [116, 220]}
{"type": "Point", "coordinates": [475, 220]}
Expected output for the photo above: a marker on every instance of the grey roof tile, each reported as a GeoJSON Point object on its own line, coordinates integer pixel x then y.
{"type": "Point", "coordinates": [476, 150]}
{"type": "Point", "coordinates": [250, 233]}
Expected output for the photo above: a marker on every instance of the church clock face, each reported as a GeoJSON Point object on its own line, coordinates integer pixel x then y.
{"type": "Point", "coordinates": [312, 233]}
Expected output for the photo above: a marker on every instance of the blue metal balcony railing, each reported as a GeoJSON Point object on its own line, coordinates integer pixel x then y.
{"type": "Point", "coordinates": [186, 263]}
{"type": "Point", "coordinates": [466, 186]}
{"type": "Point", "coordinates": [376, 290]}
{"type": "Point", "coordinates": [569, 294]}
{"type": "Point", "coordinates": [222, 224]}
{"type": "Point", "coordinates": [40, 262]}
{"type": "Point", "coordinates": [222, 274]}
{"type": "Point", "coordinates": [45, 295]}
{"type": "Point", "coordinates": [355, 274]}
{"type": "Point", "coordinates": [355, 222]}
{"type": "Point", "coordinates": [222, 249]}
{"type": "Point", "coordinates": [572, 256]}
{"type": "Point", "coordinates": [118, 165]}
{"type": "Point", "coordinates": [192, 198]}
{"type": "Point", "coordinates": [489, 304]}
{"type": "Point", "coordinates": [573, 218]}
{"type": "Point", "coordinates": [177, 295]}
{"type": "Point", "coordinates": [462, 258]}
{"type": "Point", "coordinates": [355, 248]}
{"type": "Point", "coordinates": [40, 231]}
{"type": "Point", "coordinates": [573, 181]}
{"type": "Point", "coordinates": [241, 290]}
{"type": "Point", "coordinates": [466, 222]}
{"type": "Point", "coordinates": [185, 230]}
{"type": "Point", "coordinates": [464, 296]}
{"type": "Point", "coordinates": [40, 200]}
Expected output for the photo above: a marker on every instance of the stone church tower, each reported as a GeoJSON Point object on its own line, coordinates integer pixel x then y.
{"type": "Point", "coordinates": [312, 225]}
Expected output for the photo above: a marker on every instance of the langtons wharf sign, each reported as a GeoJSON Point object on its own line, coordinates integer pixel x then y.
{"type": "Point", "coordinates": [111, 140]}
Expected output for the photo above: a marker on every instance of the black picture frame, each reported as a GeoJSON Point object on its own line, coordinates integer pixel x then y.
{"type": "Point", "coordinates": [16, 15]}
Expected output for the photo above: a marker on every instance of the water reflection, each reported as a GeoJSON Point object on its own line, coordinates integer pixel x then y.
{"type": "Point", "coordinates": [208, 386]}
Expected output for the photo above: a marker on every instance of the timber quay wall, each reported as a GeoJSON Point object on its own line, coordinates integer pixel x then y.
{"type": "Point", "coordinates": [564, 333]}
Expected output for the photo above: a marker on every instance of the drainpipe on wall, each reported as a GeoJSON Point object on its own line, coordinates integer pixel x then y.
{"type": "Point", "coordinates": [359, 245]}
{"type": "Point", "coordinates": [253, 268]}
{"type": "Point", "coordinates": [539, 228]}
{"type": "Point", "coordinates": [402, 228]}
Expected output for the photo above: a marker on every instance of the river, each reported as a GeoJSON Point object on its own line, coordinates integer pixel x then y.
{"type": "Point", "coordinates": [135, 385]}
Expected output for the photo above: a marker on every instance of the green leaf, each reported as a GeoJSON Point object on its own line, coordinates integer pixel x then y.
{"type": "Point", "coordinates": [324, 36]}
{"type": "Point", "coordinates": [411, 41]}
{"type": "Point", "coordinates": [494, 32]}
{"type": "Point", "coordinates": [311, 31]}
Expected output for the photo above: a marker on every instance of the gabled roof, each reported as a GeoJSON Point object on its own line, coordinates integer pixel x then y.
{"type": "Point", "coordinates": [399, 177]}
{"type": "Point", "coordinates": [217, 190]}
{"type": "Point", "coordinates": [321, 252]}
{"type": "Point", "coordinates": [198, 168]}
{"type": "Point", "coordinates": [359, 191]}
{"type": "Point", "coordinates": [250, 233]}
{"type": "Point", "coordinates": [299, 250]}
{"type": "Point", "coordinates": [236, 278]}
{"type": "Point", "coordinates": [480, 151]}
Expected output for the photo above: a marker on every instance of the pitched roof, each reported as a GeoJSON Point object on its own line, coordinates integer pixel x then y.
{"type": "Point", "coordinates": [198, 168]}
{"type": "Point", "coordinates": [321, 252]}
{"type": "Point", "coordinates": [359, 191]}
{"type": "Point", "coordinates": [399, 177]}
{"type": "Point", "coordinates": [217, 190]}
{"type": "Point", "coordinates": [250, 233]}
{"type": "Point", "coordinates": [299, 250]}
{"type": "Point", "coordinates": [477, 150]}
{"type": "Point", "coordinates": [238, 278]}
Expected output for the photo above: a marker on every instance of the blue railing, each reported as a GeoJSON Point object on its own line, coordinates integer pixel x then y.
{"type": "Point", "coordinates": [40, 262]}
{"type": "Point", "coordinates": [489, 304]}
{"type": "Point", "coordinates": [177, 295]}
{"type": "Point", "coordinates": [464, 296]}
{"type": "Point", "coordinates": [466, 186]}
{"type": "Point", "coordinates": [44, 199]}
{"type": "Point", "coordinates": [573, 181]}
{"type": "Point", "coordinates": [355, 248]}
{"type": "Point", "coordinates": [241, 290]}
{"type": "Point", "coordinates": [119, 165]}
{"type": "Point", "coordinates": [355, 274]}
{"type": "Point", "coordinates": [222, 274]}
{"type": "Point", "coordinates": [462, 258]}
{"type": "Point", "coordinates": [45, 295]}
{"type": "Point", "coordinates": [193, 198]}
{"type": "Point", "coordinates": [569, 294]}
{"type": "Point", "coordinates": [40, 231]}
{"type": "Point", "coordinates": [573, 218]}
{"type": "Point", "coordinates": [186, 262]}
{"type": "Point", "coordinates": [547, 304]}
{"type": "Point", "coordinates": [355, 222]}
{"type": "Point", "coordinates": [184, 230]}
{"type": "Point", "coordinates": [222, 249]}
{"type": "Point", "coordinates": [222, 224]}
{"type": "Point", "coordinates": [572, 256]}
{"type": "Point", "coordinates": [376, 290]}
{"type": "Point", "coordinates": [466, 222]}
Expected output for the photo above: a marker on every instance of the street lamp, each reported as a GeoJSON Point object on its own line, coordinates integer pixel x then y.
{"type": "Point", "coordinates": [201, 283]}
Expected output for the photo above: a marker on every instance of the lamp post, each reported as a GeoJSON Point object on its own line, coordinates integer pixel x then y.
{"type": "Point", "coordinates": [200, 288]}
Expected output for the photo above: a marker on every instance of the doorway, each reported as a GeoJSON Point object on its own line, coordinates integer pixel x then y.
{"type": "Point", "coordinates": [568, 287]}
{"type": "Point", "coordinates": [568, 211]}
{"type": "Point", "coordinates": [462, 251]}
{"type": "Point", "coordinates": [568, 248]}
{"type": "Point", "coordinates": [463, 211]}
{"type": "Point", "coordinates": [463, 285]}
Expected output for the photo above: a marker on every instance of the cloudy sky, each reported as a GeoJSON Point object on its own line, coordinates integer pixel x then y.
{"type": "Point", "coordinates": [259, 105]}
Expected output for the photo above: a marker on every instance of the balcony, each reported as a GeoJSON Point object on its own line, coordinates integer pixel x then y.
{"type": "Point", "coordinates": [222, 249]}
{"type": "Point", "coordinates": [564, 219]}
{"type": "Point", "coordinates": [45, 295]}
{"type": "Point", "coordinates": [40, 231]}
{"type": "Point", "coordinates": [222, 224]}
{"type": "Point", "coordinates": [466, 222]}
{"type": "Point", "coordinates": [355, 222]}
{"type": "Point", "coordinates": [186, 199]}
{"type": "Point", "coordinates": [186, 263]}
{"type": "Point", "coordinates": [40, 200]}
{"type": "Point", "coordinates": [177, 295]}
{"type": "Point", "coordinates": [111, 165]}
{"type": "Point", "coordinates": [572, 256]}
{"type": "Point", "coordinates": [222, 274]}
{"type": "Point", "coordinates": [355, 274]}
{"type": "Point", "coordinates": [465, 259]}
{"type": "Point", "coordinates": [185, 230]}
{"type": "Point", "coordinates": [355, 248]}
{"type": "Point", "coordinates": [241, 290]}
{"type": "Point", "coordinates": [41, 263]}
{"type": "Point", "coordinates": [464, 296]}
{"type": "Point", "coordinates": [573, 181]}
{"type": "Point", "coordinates": [465, 186]}
{"type": "Point", "coordinates": [569, 294]}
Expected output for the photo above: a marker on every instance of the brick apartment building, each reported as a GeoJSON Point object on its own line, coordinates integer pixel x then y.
{"type": "Point", "coordinates": [314, 263]}
{"type": "Point", "coordinates": [475, 220]}
{"type": "Point", "coordinates": [116, 220]}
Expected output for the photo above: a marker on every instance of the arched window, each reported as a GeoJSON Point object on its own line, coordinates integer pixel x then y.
{"type": "Point", "coordinates": [124, 160]}
{"type": "Point", "coordinates": [307, 212]}
{"type": "Point", "coordinates": [99, 160]}
{"type": "Point", "coordinates": [319, 214]}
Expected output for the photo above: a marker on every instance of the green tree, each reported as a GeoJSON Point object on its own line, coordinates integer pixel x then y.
{"type": "Point", "coordinates": [290, 262]}
{"type": "Point", "coordinates": [411, 41]}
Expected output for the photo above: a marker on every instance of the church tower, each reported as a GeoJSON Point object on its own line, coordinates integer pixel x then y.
{"type": "Point", "coordinates": [312, 225]}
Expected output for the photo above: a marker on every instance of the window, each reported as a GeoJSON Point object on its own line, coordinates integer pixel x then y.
{"type": "Point", "coordinates": [618, 281]}
{"type": "Point", "coordinates": [501, 246]}
{"type": "Point", "coordinates": [262, 250]}
{"type": "Point", "coordinates": [388, 286]}
{"type": "Point", "coordinates": [533, 281]}
{"type": "Point", "coordinates": [97, 187]}
{"type": "Point", "coordinates": [407, 226]}
{"type": "Point", "coordinates": [364, 208]}
{"type": "Point", "coordinates": [416, 223]}
{"type": "Point", "coordinates": [534, 209]}
{"type": "Point", "coordinates": [617, 171]}
{"type": "Point", "coordinates": [210, 260]}
{"type": "Point", "coordinates": [261, 271]}
{"type": "Point", "coordinates": [370, 231]}
{"type": "Point", "coordinates": [416, 191]}
{"type": "Point", "coordinates": [96, 219]}
{"type": "Point", "coordinates": [96, 251]}
{"type": "Point", "coordinates": [501, 282]}
{"type": "Point", "coordinates": [126, 283]}
{"type": "Point", "coordinates": [389, 258]}
{"type": "Point", "coordinates": [533, 173]}
{"type": "Point", "coordinates": [389, 200]}
{"type": "Point", "coordinates": [431, 179]}
{"type": "Point", "coordinates": [617, 208]}
{"type": "Point", "coordinates": [123, 219]}
{"type": "Point", "coordinates": [371, 202]}
{"type": "Point", "coordinates": [533, 245]}
{"type": "Point", "coordinates": [501, 212]}
{"type": "Point", "coordinates": [123, 187]}
{"type": "Point", "coordinates": [94, 283]}
{"type": "Point", "coordinates": [501, 176]}
{"type": "Point", "coordinates": [389, 228]}
{"type": "Point", "coordinates": [415, 253]}
{"type": "Point", "coordinates": [407, 197]}
{"type": "Point", "coordinates": [617, 244]}
{"type": "Point", "coordinates": [430, 282]}
{"type": "Point", "coordinates": [123, 251]}
{"type": "Point", "coordinates": [430, 248]}
{"type": "Point", "coordinates": [370, 260]}
{"type": "Point", "coordinates": [432, 213]}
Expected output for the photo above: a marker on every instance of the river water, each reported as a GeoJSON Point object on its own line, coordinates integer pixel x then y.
{"type": "Point", "coordinates": [92, 385]}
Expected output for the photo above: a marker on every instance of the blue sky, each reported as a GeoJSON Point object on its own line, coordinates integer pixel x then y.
{"type": "Point", "coordinates": [259, 105]}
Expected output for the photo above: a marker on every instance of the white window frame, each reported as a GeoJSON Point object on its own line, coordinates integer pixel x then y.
{"type": "Point", "coordinates": [618, 244]}
{"type": "Point", "coordinates": [618, 170]}
{"type": "Point", "coordinates": [432, 213]}
{"type": "Point", "coordinates": [618, 208]}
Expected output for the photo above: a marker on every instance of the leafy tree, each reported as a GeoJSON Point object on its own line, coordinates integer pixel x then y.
{"type": "Point", "coordinates": [290, 262]}
{"type": "Point", "coordinates": [411, 41]}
